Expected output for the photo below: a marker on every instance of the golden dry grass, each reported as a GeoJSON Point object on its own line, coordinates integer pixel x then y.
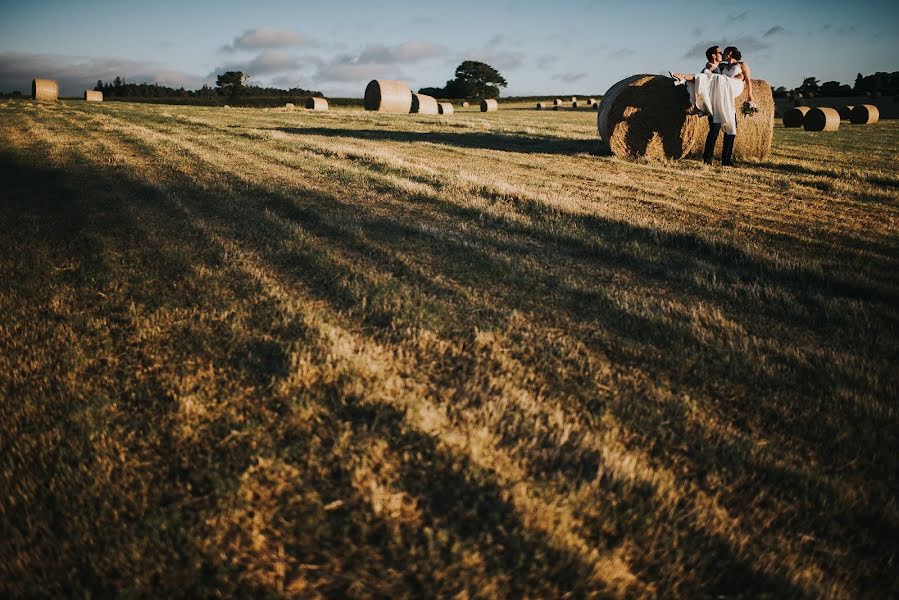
{"type": "Point", "coordinates": [268, 353]}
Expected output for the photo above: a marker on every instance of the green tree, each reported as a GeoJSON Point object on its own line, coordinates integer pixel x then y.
{"type": "Point", "coordinates": [809, 84]}
{"type": "Point", "coordinates": [231, 82]}
{"type": "Point", "coordinates": [477, 80]}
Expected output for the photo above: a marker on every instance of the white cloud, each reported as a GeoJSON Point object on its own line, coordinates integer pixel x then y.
{"type": "Point", "coordinates": [569, 77]}
{"type": "Point", "coordinates": [267, 38]}
{"type": "Point", "coordinates": [268, 62]}
{"type": "Point", "coordinates": [76, 74]}
{"type": "Point", "coordinates": [407, 52]}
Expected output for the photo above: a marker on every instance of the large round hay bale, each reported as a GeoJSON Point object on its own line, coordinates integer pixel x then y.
{"type": "Point", "coordinates": [821, 118]}
{"type": "Point", "coordinates": [93, 96]}
{"type": "Point", "coordinates": [846, 111]}
{"type": "Point", "coordinates": [557, 102]}
{"type": "Point", "coordinates": [315, 103]}
{"type": "Point", "coordinates": [794, 116]}
{"type": "Point", "coordinates": [465, 105]}
{"type": "Point", "coordinates": [541, 105]}
{"type": "Point", "coordinates": [388, 95]}
{"type": "Point", "coordinates": [44, 89]}
{"type": "Point", "coordinates": [445, 108]}
{"type": "Point", "coordinates": [424, 105]}
{"type": "Point", "coordinates": [489, 105]}
{"type": "Point", "coordinates": [645, 116]}
{"type": "Point", "coordinates": [864, 114]}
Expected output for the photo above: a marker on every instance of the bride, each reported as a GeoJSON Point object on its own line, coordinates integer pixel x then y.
{"type": "Point", "coordinates": [715, 92]}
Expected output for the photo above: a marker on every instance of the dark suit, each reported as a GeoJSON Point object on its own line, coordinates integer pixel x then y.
{"type": "Point", "coordinates": [727, 151]}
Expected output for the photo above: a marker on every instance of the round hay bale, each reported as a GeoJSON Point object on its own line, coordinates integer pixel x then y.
{"type": "Point", "coordinates": [541, 105]}
{"type": "Point", "coordinates": [821, 118]}
{"type": "Point", "coordinates": [93, 96]}
{"type": "Point", "coordinates": [864, 114]}
{"type": "Point", "coordinates": [424, 105]}
{"type": "Point", "coordinates": [644, 116]}
{"type": "Point", "coordinates": [226, 106]}
{"type": "Point", "coordinates": [846, 112]}
{"type": "Point", "coordinates": [445, 108]}
{"type": "Point", "coordinates": [574, 104]}
{"type": "Point", "coordinates": [794, 116]}
{"type": "Point", "coordinates": [315, 103]}
{"type": "Point", "coordinates": [465, 105]}
{"type": "Point", "coordinates": [574, 99]}
{"type": "Point", "coordinates": [489, 105]}
{"type": "Point", "coordinates": [388, 95]}
{"type": "Point", "coordinates": [557, 102]}
{"type": "Point", "coordinates": [44, 89]}
{"type": "Point", "coordinates": [289, 106]}
{"type": "Point", "coordinates": [591, 101]}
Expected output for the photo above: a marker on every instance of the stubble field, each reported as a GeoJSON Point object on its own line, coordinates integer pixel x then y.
{"type": "Point", "coordinates": [267, 353]}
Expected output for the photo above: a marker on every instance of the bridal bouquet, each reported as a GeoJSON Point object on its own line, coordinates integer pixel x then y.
{"type": "Point", "coordinates": [749, 108]}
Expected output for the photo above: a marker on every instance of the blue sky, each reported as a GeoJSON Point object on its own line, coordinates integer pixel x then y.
{"type": "Point", "coordinates": [579, 46]}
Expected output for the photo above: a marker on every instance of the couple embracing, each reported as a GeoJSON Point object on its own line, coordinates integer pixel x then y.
{"type": "Point", "coordinates": [713, 92]}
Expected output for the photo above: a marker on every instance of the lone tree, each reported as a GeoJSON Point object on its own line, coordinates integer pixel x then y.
{"type": "Point", "coordinates": [473, 80]}
{"type": "Point", "coordinates": [231, 82]}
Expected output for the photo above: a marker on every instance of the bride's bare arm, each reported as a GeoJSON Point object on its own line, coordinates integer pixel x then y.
{"type": "Point", "coordinates": [747, 79]}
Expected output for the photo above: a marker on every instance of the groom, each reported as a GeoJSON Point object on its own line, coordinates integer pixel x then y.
{"type": "Point", "coordinates": [715, 58]}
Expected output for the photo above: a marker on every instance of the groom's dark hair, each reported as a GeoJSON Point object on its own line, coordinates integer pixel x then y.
{"type": "Point", "coordinates": [710, 53]}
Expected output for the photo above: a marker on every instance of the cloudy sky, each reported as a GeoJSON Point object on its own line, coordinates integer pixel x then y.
{"type": "Point", "coordinates": [541, 47]}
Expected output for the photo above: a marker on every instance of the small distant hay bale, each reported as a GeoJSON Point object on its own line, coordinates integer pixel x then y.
{"type": "Point", "coordinates": [226, 106]}
{"type": "Point", "coordinates": [591, 101]}
{"type": "Point", "coordinates": [574, 104]}
{"type": "Point", "coordinates": [795, 116]}
{"type": "Point", "coordinates": [388, 95]}
{"type": "Point", "coordinates": [557, 102]}
{"type": "Point", "coordinates": [574, 99]}
{"type": "Point", "coordinates": [846, 112]}
{"type": "Point", "coordinates": [93, 96]}
{"type": "Point", "coordinates": [541, 106]}
{"type": "Point", "coordinates": [821, 118]}
{"type": "Point", "coordinates": [424, 105]}
{"type": "Point", "coordinates": [864, 114]}
{"type": "Point", "coordinates": [489, 105]}
{"type": "Point", "coordinates": [465, 105]}
{"type": "Point", "coordinates": [645, 116]}
{"type": "Point", "coordinates": [289, 106]}
{"type": "Point", "coordinates": [315, 103]}
{"type": "Point", "coordinates": [445, 108]}
{"type": "Point", "coordinates": [44, 89]}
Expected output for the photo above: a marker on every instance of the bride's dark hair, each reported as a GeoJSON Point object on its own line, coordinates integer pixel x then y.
{"type": "Point", "coordinates": [734, 52]}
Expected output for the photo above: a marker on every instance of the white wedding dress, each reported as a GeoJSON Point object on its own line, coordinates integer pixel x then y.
{"type": "Point", "coordinates": [717, 93]}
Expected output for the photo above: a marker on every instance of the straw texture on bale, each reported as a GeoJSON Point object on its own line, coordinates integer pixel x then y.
{"type": "Point", "coordinates": [557, 102]}
{"type": "Point", "coordinates": [93, 96]}
{"type": "Point", "coordinates": [44, 89]}
{"type": "Point", "coordinates": [821, 119]}
{"type": "Point", "coordinates": [465, 105]}
{"type": "Point", "coordinates": [846, 112]}
{"type": "Point", "coordinates": [424, 105]}
{"type": "Point", "coordinates": [541, 105]}
{"type": "Point", "coordinates": [794, 116]}
{"type": "Point", "coordinates": [645, 116]}
{"type": "Point", "coordinates": [314, 103]}
{"type": "Point", "coordinates": [489, 105]}
{"type": "Point", "coordinates": [864, 114]}
{"type": "Point", "coordinates": [445, 108]}
{"type": "Point", "coordinates": [388, 95]}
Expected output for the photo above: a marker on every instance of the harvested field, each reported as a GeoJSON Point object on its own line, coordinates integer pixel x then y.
{"type": "Point", "coordinates": [257, 353]}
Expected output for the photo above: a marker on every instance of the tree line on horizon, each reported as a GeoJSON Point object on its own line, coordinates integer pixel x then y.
{"type": "Point", "coordinates": [880, 83]}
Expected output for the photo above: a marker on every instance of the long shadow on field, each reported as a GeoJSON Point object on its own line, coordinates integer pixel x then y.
{"type": "Point", "coordinates": [453, 492]}
{"type": "Point", "coordinates": [383, 238]}
{"type": "Point", "coordinates": [482, 141]}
